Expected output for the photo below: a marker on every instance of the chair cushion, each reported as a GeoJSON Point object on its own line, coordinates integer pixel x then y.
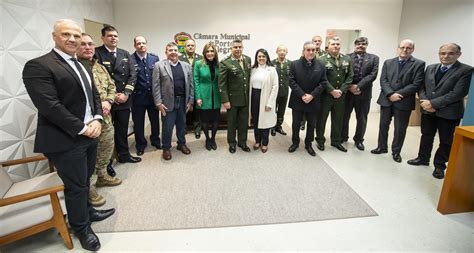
{"type": "Point", "coordinates": [31, 212]}
{"type": "Point", "coordinates": [5, 182]}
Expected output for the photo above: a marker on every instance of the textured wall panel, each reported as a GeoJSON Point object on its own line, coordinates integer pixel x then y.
{"type": "Point", "coordinates": [25, 33]}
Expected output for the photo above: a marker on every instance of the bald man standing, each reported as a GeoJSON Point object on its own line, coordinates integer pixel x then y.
{"type": "Point", "coordinates": [401, 78]}
{"type": "Point", "coordinates": [442, 106]}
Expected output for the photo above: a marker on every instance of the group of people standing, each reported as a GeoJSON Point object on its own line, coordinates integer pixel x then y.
{"type": "Point", "coordinates": [84, 95]}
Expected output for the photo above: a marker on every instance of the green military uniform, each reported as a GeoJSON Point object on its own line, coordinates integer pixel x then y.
{"type": "Point", "coordinates": [320, 53]}
{"type": "Point", "coordinates": [234, 88]}
{"type": "Point", "coordinates": [339, 74]}
{"type": "Point", "coordinates": [283, 71]}
{"type": "Point", "coordinates": [194, 115]}
{"type": "Point", "coordinates": [106, 87]}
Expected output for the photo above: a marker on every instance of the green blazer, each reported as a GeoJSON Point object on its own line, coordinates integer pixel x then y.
{"type": "Point", "coordinates": [205, 88]}
{"type": "Point", "coordinates": [234, 81]}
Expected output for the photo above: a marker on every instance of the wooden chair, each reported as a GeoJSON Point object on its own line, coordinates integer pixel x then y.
{"type": "Point", "coordinates": [25, 208]}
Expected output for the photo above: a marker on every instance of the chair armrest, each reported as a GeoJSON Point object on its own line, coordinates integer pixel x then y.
{"type": "Point", "coordinates": [30, 159]}
{"type": "Point", "coordinates": [30, 195]}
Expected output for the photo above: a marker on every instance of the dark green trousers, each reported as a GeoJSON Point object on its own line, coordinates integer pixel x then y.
{"type": "Point", "coordinates": [336, 108]}
{"type": "Point", "coordinates": [237, 120]}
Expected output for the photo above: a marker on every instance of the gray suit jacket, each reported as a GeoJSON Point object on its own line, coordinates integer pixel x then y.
{"type": "Point", "coordinates": [369, 70]}
{"type": "Point", "coordinates": [447, 95]}
{"type": "Point", "coordinates": [406, 82]}
{"type": "Point", "coordinates": [163, 84]}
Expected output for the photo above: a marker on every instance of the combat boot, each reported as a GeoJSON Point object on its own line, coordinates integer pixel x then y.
{"type": "Point", "coordinates": [95, 199]}
{"type": "Point", "coordinates": [107, 180]}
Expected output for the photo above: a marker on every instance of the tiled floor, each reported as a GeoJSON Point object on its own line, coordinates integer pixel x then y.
{"type": "Point", "coordinates": [405, 197]}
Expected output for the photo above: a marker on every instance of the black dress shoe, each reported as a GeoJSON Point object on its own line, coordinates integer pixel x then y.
{"type": "Point", "coordinates": [129, 159]}
{"type": "Point", "coordinates": [378, 151]}
{"type": "Point", "coordinates": [310, 150]}
{"type": "Point", "coordinates": [438, 173]}
{"type": "Point", "coordinates": [292, 148]}
{"type": "Point", "coordinates": [397, 158]}
{"type": "Point", "coordinates": [302, 127]}
{"type": "Point", "coordinates": [197, 135]}
{"type": "Point", "coordinates": [98, 215]}
{"type": "Point", "coordinates": [340, 147]}
{"type": "Point", "coordinates": [213, 144]}
{"type": "Point", "coordinates": [417, 161]}
{"type": "Point", "coordinates": [360, 146]}
{"type": "Point", "coordinates": [140, 152]}
{"type": "Point", "coordinates": [208, 145]}
{"type": "Point", "coordinates": [88, 239]}
{"type": "Point", "coordinates": [273, 132]}
{"type": "Point", "coordinates": [110, 169]}
{"type": "Point", "coordinates": [232, 149]}
{"type": "Point", "coordinates": [320, 146]}
{"type": "Point", "coordinates": [280, 131]}
{"type": "Point", "coordinates": [245, 148]}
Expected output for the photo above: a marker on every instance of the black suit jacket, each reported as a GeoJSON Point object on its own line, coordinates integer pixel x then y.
{"type": "Point", "coordinates": [405, 82]}
{"type": "Point", "coordinates": [369, 71]}
{"type": "Point", "coordinates": [56, 91]}
{"type": "Point", "coordinates": [121, 69]}
{"type": "Point", "coordinates": [447, 95]}
{"type": "Point", "coordinates": [306, 80]}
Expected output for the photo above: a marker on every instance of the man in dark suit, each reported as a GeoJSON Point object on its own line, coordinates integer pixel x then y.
{"type": "Point", "coordinates": [401, 78]}
{"type": "Point", "coordinates": [143, 97]}
{"type": "Point", "coordinates": [118, 63]}
{"type": "Point", "coordinates": [234, 77]}
{"type": "Point", "coordinates": [307, 82]}
{"type": "Point", "coordinates": [192, 57]}
{"type": "Point", "coordinates": [366, 67]}
{"type": "Point", "coordinates": [69, 122]}
{"type": "Point", "coordinates": [442, 106]}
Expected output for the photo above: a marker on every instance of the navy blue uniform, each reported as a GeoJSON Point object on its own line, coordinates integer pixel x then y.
{"type": "Point", "coordinates": [143, 101]}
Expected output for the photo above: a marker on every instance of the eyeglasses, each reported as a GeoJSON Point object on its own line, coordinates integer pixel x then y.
{"type": "Point", "coordinates": [406, 48]}
{"type": "Point", "coordinates": [310, 49]}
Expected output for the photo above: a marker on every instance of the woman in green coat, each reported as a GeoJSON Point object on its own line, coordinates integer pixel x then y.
{"type": "Point", "coordinates": [206, 92]}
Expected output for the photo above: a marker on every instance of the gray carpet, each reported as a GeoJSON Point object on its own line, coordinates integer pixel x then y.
{"type": "Point", "coordinates": [218, 189]}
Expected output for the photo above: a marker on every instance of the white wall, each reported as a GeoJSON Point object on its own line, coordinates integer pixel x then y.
{"type": "Point", "coordinates": [270, 23]}
{"type": "Point", "coordinates": [431, 23]}
{"type": "Point", "coordinates": [25, 33]}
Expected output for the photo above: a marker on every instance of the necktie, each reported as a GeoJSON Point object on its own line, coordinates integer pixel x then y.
{"type": "Point", "coordinates": [144, 61]}
{"type": "Point", "coordinates": [357, 66]}
{"type": "Point", "coordinates": [401, 63]}
{"type": "Point", "coordinates": [241, 63]}
{"type": "Point", "coordinates": [113, 54]}
{"type": "Point", "coordinates": [440, 73]}
{"type": "Point", "coordinates": [85, 81]}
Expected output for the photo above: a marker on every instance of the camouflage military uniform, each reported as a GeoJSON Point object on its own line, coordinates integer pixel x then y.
{"type": "Point", "coordinates": [106, 87]}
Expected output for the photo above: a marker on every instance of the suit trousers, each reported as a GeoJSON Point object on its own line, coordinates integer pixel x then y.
{"type": "Point", "coordinates": [362, 108]}
{"type": "Point", "coordinates": [237, 120]}
{"type": "Point", "coordinates": [175, 117]}
{"type": "Point", "coordinates": [297, 117]}
{"type": "Point", "coordinates": [75, 167]}
{"type": "Point", "coordinates": [280, 109]}
{"type": "Point", "coordinates": [261, 135]}
{"type": "Point", "coordinates": [430, 123]}
{"type": "Point", "coordinates": [120, 120]}
{"type": "Point", "coordinates": [401, 119]}
{"type": "Point", "coordinates": [138, 117]}
{"type": "Point", "coordinates": [336, 108]}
